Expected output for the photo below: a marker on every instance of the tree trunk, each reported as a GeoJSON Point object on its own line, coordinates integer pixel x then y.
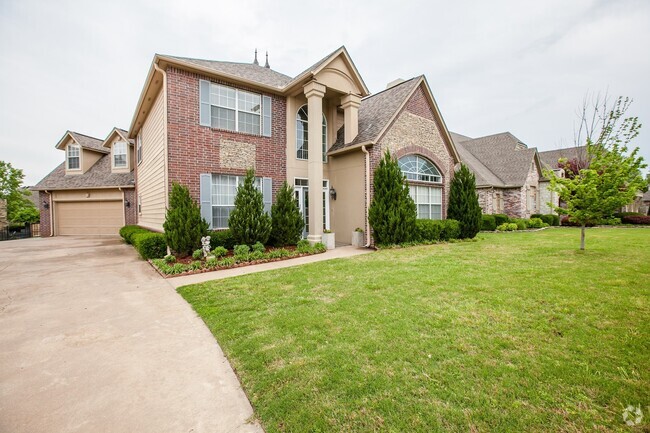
{"type": "Point", "coordinates": [582, 238]}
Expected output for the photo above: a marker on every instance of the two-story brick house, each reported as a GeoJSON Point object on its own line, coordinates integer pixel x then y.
{"type": "Point", "coordinates": [203, 123]}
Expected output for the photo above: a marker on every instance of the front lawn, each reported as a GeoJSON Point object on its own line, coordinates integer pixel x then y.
{"type": "Point", "coordinates": [516, 332]}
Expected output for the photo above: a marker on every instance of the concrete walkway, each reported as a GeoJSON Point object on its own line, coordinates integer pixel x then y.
{"type": "Point", "coordinates": [337, 253]}
{"type": "Point", "coordinates": [93, 340]}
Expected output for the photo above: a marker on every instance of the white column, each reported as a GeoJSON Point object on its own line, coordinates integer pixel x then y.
{"type": "Point", "coordinates": [350, 104]}
{"type": "Point", "coordinates": [315, 92]}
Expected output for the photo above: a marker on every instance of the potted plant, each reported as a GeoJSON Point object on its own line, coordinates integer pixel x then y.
{"type": "Point", "coordinates": [357, 237]}
{"type": "Point", "coordinates": [328, 239]}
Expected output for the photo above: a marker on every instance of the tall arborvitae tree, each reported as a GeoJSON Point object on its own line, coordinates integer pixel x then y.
{"type": "Point", "coordinates": [463, 203]}
{"type": "Point", "coordinates": [183, 224]}
{"type": "Point", "coordinates": [286, 219]}
{"type": "Point", "coordinates": [392, 212]}
{"type": "Point", "coordinates": [248, 222]}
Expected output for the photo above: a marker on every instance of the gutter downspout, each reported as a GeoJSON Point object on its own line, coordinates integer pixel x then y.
{"type": "Point", "coordinates": [51, 214]}
{"type": "Point", "coordinates": [365, 151]}
{"type": "Point", "coordinates": [164, 75]}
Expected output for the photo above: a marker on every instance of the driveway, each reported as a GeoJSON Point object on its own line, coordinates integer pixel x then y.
{"type": "Point", "coordinates": [93, 340]}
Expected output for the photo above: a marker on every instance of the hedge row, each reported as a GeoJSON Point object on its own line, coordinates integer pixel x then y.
{"type": "Point", "coordinates": [148, 244]}
{"type": "Point", "coordinates": [493, 222]}
{"type": "Point", "coordinates": [436, 230]}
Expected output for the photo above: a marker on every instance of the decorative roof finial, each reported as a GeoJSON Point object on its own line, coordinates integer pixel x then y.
{"type": "Point", "coordinates": [255, 62]}
{"type": "Point", "coordinates": [267, 61]}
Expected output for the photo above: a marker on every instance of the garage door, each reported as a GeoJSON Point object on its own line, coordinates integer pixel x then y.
{"type": "Point", "coordinates": [88, 218]}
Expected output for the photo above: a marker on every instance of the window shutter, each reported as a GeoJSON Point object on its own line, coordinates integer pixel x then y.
{"type": "Point", "coordinates": [206, 197]}
{"type": "Point", "coordinates": [266, 116]}
{"type": "Point", "coordinates": [267, 193]}
{"type": "Point", "coordinates": [204, 98]}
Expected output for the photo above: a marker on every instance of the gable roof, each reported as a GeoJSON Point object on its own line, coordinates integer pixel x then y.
{"type": "Point", "coordinates": [85, 141]}
{"type": "Point", "coordinates": [116, 131]}
{"type": "Point", "coordinates": [98, 176]}
{"type": "Point", "coordinates": [550, 158]}
{"type": "Point", "coordinates": [502, 156]}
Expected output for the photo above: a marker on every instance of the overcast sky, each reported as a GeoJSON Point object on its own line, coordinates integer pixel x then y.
{"type": "Point", "coordinates": [493, 66]}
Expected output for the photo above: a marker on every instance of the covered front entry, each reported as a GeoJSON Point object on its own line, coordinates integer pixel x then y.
{"type": "Point", "coordinates": [301, 191]}
{"type": "Point", "coordinates": [88, 217]}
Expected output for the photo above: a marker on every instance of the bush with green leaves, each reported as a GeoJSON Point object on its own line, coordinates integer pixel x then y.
{"type": "Point", "coordinates": [259, 247]}
{"type": "Point", "coordinates": [463, 203]}
{"type": "Point", "coordinates": [211, 262]}
{"type": "Point", "coordinates": [150, 245]}
{"type": "Point", "coordinates": [184, 227]}
{"type": "Point", "coordinates": [221, 238]}
{"type": "Point", "coordinates": [319, 247]}
{"type": "Point", "coordinates": [536, 223]}
{"type": "Point", "coordinates": [522, 224]}
{"type": "Point", "coordinates": [500, 218]}
{"type": "Point", "coordinates": [286, 220]}
{"type": "Point", "coordinates": [227, 262]}
{"type": "Point", "coordinates": [303, 246]}
{"type": "Point", "coordinates": [488, 223]}
{"type": "Point", "coordinates": [392, 212]}
{"type": "Point", "coordinates": [219, 252]}
{"type": "Point", "coordinates": [241, 253]}
{"type": "Point", "coordinates": [248, 222]}
{"type": "Point", "coordinates": [428, 230]}
{"type": "Point", "coordinates": [197, 254]}
{"type": "Point", "coordinates": [128, 231]}
{"type": "Point", "coordinates": [278, 253]}
{"type": "Point", "coordinates": [196, 265]}
{"type": "Point", "coordinates": [170, 258]}
{"type": "Point", "coordinates": [548, 219]}
{"type": "Point", "coordinates": [256, 255]}
{"type": "Point", "coordinates": [507, 227]}
{"type": "Point", "coordinates": [450, 230]}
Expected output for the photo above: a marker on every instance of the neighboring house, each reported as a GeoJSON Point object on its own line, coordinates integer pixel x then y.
{"type": "Point", "coordinates": [203, 123]}
{"type": "Point", "coordinates": [509, 175]}
{"type": "Point", "coordinates": [92, 191]}
{"type": "Point", "coordinates": [645, 204]}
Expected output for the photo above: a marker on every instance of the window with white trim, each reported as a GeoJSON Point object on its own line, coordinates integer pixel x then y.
{"type": "Point", "coordinates": [73, 157]}
{"type": "Point", "coordinates": [428, 199]}
{"type": "Point", "coordinates": [225, 107]}
{"type": "Point", "coordinates": [302, 134]}
{"type": "Point", "coordinates": [119, 154]}
{"type": "Point", "coordinates": [224, 190]}
{"type": "Point", "coordinates": [138, 145]}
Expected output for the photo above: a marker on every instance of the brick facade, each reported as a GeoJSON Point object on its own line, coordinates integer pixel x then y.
{"type": "Point", "coordinates": [194, 149]}
{"type": "Point", "coordinates": [46, 224]}
{"type": "Point", "coordinates": [131, 212]}
{"type": "Point", "coordinates": [415, 131]}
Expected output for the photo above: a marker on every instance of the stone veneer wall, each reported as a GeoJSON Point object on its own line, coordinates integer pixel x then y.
{"type": "Point", "coordinates": [194, 149]}
{"type": "Point", "coordinates": [46, 224]}
{"type": "Point", "coordinates": [486, 200]}
{"type": "Point", "coordinates": [416, 131]}
{"type": "Point", "coordinates": [3, 214]}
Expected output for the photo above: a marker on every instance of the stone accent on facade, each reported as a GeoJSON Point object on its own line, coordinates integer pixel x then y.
{"type": "Point", "coordinates": [514, 202]}
{"type": "Point", "coordinates": [547, 196]}
{"type": "Point", "coordinates": [485, 200]}
{"type": "Point", "coordinates": [237, 154]}
{"type": "Point", "coordinates": [46, 224]}
{"type": "Point", "coordinates": [3, 214]}
{"type": "Point", "coordinates": [131, 212]}
{"type": "Point", "coordinates": [194, 149]}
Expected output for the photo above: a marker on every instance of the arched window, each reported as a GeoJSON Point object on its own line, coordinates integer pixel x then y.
{"type": "Point", "coordinates": [302, 134]}
{"type": "Point", "coordinates": [428, 199]}
{"type": "Point", "coordinates": [418, 168]}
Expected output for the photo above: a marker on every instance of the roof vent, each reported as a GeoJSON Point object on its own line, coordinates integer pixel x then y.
{"type": "Point", "coordinates": [255, 62]}
{"type": "Point", "coordinates": [395, 83]}
{"type": "Point", "coordinates": [267, 66]}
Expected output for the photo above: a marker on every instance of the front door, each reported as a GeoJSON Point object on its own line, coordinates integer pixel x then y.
{"type": "Point", "coordinates": [301, 192]}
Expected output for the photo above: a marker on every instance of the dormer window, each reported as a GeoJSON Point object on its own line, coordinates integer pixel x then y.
{"type": "Point", "coordinates": [73, 157]}
{"type": "Point", "coordinates": [119, 155]}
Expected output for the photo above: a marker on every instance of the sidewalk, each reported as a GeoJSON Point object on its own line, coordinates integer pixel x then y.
{"type": "Point", "coordinates": [336, 253]}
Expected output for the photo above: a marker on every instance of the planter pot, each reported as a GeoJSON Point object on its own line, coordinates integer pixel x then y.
{"type": "Point", "coordinates": [328, 240]}
{"type": "Point", "coordinates": [357, 239]}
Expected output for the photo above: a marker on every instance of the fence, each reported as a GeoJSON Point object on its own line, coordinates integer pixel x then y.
{"type": "Point", "coordinates": [20, 232]}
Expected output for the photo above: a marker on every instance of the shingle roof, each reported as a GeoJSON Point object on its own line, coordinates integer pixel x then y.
{"type": "Point", "coordinates": [459, 138]}
{"type": "Point", "coordinates": [550, 157]}
{"type": "Point", "coordinates": [98, 176]}
{"type": "Point", "coordinates": [646, 196]}
{"type": "Point", "coordinates": [502, 156]}
{"type": "Point", "coordinates": [88, 142]}
{"type": "Point", "coordinates": [376, 111]}
{"type": "Point", "coordinates": [247, 71]}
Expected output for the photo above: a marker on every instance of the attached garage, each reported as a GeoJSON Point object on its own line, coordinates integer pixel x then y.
{"type": "Point", "coordinates": [88, 218]}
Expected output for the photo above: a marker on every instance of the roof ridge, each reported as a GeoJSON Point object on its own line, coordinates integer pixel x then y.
{"type": "Point", "coordinates": [85, 135]}
{"type": "Point", "coordinates": [391, 88]}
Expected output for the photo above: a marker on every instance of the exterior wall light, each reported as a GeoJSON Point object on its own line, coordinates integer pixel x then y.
{"type": "Point", "coordinates": [332, 193]}
{"type": "Point", "coordinates": [127, 203]}
{"type": "Point", "coordinates": [46, 204]}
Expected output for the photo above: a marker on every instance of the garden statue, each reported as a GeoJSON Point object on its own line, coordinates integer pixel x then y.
{"type": "Point", "coordinates": [205, 245]}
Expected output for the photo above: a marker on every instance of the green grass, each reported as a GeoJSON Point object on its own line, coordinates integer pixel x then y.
{"type": "Point", "coordinates": [516, 332]}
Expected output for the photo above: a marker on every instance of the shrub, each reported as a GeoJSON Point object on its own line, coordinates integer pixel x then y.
{"type": "Point", "coordinates": [170, 258]}
{"type": "Point", "coordinates": [278, 253]}
{"type": "Point", "coordinates": [303, 246]}
{"type": "Point", "coordinates": [256, 255]}
{"type": "Point", "coordinates": [248, 222]}
{"type": "Point", "coordinates": [392, 213]}
{"type": "Point", "coordinates": [488, 223]}
{"type": "Point", "coordinates": [197, 254]}
{"type": "Point", "coordinates": [184, 227]}
{"type": "Point", "coordinates": [241, 253]}
{"type": "Point", "coordinates": [179, 268]}
{"type": "Point", "coordinates": [428, 230]}
{"type": "Point", "coordinates": [548, 219]}
{"type": "Point", "coordinates": [219, 252]}
{"type": "Point", "coordinates": [521, 223]}
{"type": "Point", "coordinates": [196, 265]}
{"type": "Point", "coordinates": [222, 238]}
{"type": "Point", "coordinates": [624, 214]}
{"type": "Point", "coordinates": [150, 245]}
{"type": "Point", "coordinates": [565, 221]}
{"type": "Point", "coordinates": [610, 221]}
{"type": "Point", "coordinates": [127, 232]}
{"type": "Point", "coordinates": [463, 203]}
{"type": "Point", "coordinates": [500, 218]}
{"type": "Point", "coordinates": [287, 223]}
{"type": "Point", "coordinates": [636, 219]}
{"type": "Point", "coordinates": [556, 220]}
{"type": "Point", "coordinates": [227, 262]}
{"type": "Point", "coordinates": [536, 223]}
{"type": "Point", "coordinates": [536, 215]}
{"type": "Point", "coordinates": [319, 247]}
{"type": "Point", "coordinates": [211, 262]}
{"type": "Point", "coordinates": [507, 227]}
{"type": "Point", "coordinates": [450, 230]}
{"type": "Point", "coordinates": [258, 247]}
